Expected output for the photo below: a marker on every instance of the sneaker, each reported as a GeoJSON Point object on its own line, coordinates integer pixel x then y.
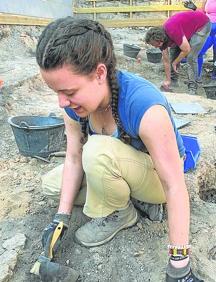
{"type": "Point", "coordinates": [154, 212]}
{"type": "Point", "coordinates": [99, 231]}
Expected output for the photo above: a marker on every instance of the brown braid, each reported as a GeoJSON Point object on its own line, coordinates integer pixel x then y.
{"type": "Point", "coordinates": [114, 104]}
{"type": "Point", "coordinates": [83, 44]}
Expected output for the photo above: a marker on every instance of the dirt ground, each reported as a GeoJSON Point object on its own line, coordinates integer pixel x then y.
{"type": "Point", "coordinates": [137, 254]}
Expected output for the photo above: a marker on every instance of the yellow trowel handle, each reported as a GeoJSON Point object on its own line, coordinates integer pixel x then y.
{"type": "Point", "coordinates": [55, 237]}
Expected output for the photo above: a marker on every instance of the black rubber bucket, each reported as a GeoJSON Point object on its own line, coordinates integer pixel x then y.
{"type": "Point", "coordinates": [38, 135]}
{"type": "Point", "coordinates": [131, 50]}
{"type": "Point", "coordinates": [210, 90]}
{"type": "Point", "coordinates": [154, 55]}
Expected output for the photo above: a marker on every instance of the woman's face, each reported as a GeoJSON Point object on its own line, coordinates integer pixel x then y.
{"type": "Point", "coordinates": [82, 93]}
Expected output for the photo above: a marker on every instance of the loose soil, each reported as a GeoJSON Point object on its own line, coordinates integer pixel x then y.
{"type": "Point", "coordinates": [136, 254]}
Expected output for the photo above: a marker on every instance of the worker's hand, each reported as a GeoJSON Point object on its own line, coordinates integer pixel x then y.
{"type": "Point", "coordinates": [166, 85]}
{"type": "Point", "coordinates": [175, 67]}
{"type": "Point", "coordinates": [49, 230]}
{"type": "Point", "coordinates": [180, 274]}
{"type": "Point", "coordinates": [189, 5]}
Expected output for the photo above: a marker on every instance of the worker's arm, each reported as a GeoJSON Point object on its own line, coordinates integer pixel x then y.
{"type": "Point", "coordinates": [73, 171]}
{"type": "Point", "coordinates": [166, 63]}
{"type": "Point", "coordinates": [185, 50]}
{"type": "Point", "coordinates": [157, 133]}
{"type": "Point", "coordinates": [71, 181]}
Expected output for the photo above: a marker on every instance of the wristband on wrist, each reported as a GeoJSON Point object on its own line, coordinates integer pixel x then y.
{"type": "Point", "coordinates": [179, 250]}
{"type": "Point", "coordinates": [178, 258]}
{"type": "Point", "coordinates": [64, 213]}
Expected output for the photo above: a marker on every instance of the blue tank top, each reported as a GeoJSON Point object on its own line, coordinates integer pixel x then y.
{"type": "Point", "coordinates": [136, 96]}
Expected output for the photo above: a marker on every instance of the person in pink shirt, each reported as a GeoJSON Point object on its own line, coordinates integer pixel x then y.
{"type": "Point", "coordinates": [209, 7]}
{"type": "Point", "coordinates": [182, 35]}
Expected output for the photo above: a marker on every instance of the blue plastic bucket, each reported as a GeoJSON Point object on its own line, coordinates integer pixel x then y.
{"type": "Point", "coordinates": [38, 135]}
{"type": "Point", "coordinates": [192, 150]}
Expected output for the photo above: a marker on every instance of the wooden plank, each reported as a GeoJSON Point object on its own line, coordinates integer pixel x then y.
{"type": "Point", "coordinates": [22, 20]}
{"type": "Point", "coordinates": [128, 9]}
{"type": "Point", "coordinates": [131, 4]}
{"type": "Point", "coordinates": [169, 2]}
{"type": "Point", "coordinates": [132, 22]}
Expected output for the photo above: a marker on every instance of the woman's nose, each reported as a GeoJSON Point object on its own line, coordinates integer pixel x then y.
{"type": "Point", "coordinates": [63, 100]}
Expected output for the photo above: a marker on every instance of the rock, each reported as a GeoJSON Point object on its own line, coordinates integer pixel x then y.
{"type": "Point", "coordinates": [212, 253]}
{"type": "Point", "coordinates": [138, 254]}
{"type": "Point", "coordinates": [9, 257]}
{"type": "Point", "coordinates": [8, 263]}
{"type": "Point", "coordinates": [5, 273]}
{"type": "Point", "coordinates": [4, 32]}
{"type": "Point", "coordinates": [139, 225]}
{"type": "Point", "coordinates": [15, 243]}
{"type": "Point", "coordinates": [77, 252]}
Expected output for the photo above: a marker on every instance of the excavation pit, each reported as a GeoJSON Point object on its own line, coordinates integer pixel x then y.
{"type": "Point", "coordinates": [207, 184]}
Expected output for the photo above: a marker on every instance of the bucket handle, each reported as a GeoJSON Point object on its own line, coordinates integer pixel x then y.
{"type": "Point", "coordinates": [52, 115]}
{"type": "Point", "coordinates": [24, 125]}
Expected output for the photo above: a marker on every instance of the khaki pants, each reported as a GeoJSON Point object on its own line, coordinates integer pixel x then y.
{"type": "Point", "coordinates": [114, 172]}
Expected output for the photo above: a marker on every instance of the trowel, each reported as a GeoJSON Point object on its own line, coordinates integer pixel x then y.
{"type": "Point", "coordinates": [50, 271]}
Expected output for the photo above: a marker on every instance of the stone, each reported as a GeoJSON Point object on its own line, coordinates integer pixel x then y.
{"type": "Point", "coordinates": [15, 243]}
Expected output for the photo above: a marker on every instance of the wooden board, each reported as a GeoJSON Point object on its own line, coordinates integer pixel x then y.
{"type": "Point", "coordinates": [132, 22]}
{"type": "Point", "coordinates": [127, 9]}
{"type": "Point", "coordinates": [22, 20]}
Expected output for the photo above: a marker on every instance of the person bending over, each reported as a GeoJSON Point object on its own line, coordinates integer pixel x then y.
{"type": "Point", "coordinates": [184, 34]}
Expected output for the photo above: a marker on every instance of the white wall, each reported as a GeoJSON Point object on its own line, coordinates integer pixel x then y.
{"type": "Point", "coordinates": [37, 8]}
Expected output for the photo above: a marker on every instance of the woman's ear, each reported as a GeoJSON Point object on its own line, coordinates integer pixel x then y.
{"type": "Point", "coordinates": [101, 73]}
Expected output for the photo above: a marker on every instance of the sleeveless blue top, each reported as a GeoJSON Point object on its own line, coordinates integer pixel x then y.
{"type": "Point", "coordinates": [136, 96]}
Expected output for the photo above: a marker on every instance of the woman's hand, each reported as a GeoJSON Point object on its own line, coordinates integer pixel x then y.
{"type": "Point", "coordinates": [48, 232]}
{"type": "Point", "coordinates": [175, 66]}
{"type": "Point", "coordinates": [189, 4]}
{"type": "Point", "coordinates": [166, 84]}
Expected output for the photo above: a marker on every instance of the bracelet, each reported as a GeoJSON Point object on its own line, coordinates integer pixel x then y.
{"type": "Point", "coordinates": [179, 250]}
{"type": "Point", "coordinates": [64, 213]}
{"type": "Point", "coordinates": [178, 258]}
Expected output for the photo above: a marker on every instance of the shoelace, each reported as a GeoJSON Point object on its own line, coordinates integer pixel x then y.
{"type": "Point", "coordinates": [103, 220]}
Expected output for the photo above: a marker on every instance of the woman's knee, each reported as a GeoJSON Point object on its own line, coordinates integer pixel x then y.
{"type": "Point", "coordinates": [51, 182]}
{"type": "Point", "coordinates": [96, 152]}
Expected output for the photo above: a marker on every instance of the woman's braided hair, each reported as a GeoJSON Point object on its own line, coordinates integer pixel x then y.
{"type": "Point", "coordinates": [83, 44]}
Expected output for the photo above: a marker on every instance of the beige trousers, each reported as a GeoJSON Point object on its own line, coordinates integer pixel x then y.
{"type": "Point", "coordinates": [114, 172]}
